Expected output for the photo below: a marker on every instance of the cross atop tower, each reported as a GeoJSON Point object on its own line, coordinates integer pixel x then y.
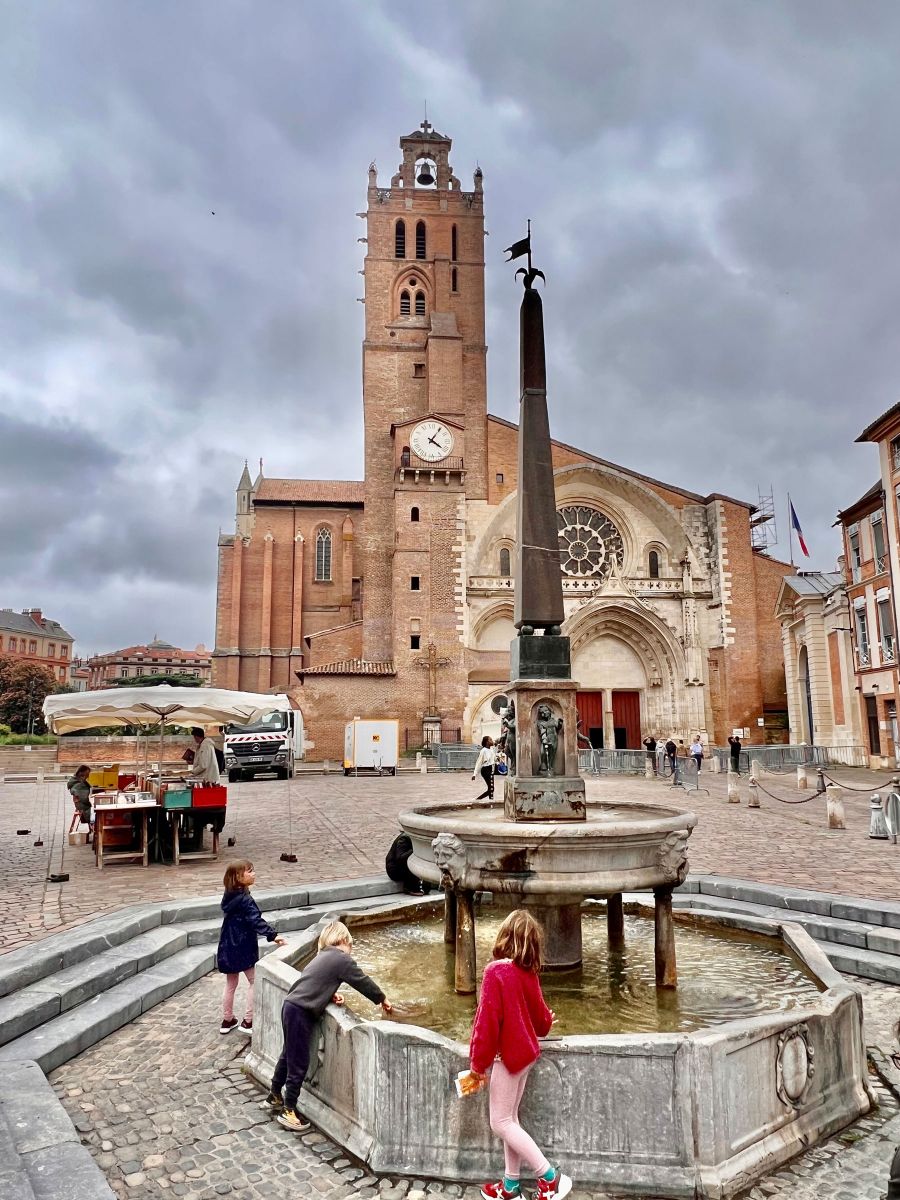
{"type": "Point", "coordinates": [426, 127]}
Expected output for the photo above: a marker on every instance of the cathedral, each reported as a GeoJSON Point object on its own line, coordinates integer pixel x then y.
{"type": "Point", "coordinates": [392, 596]}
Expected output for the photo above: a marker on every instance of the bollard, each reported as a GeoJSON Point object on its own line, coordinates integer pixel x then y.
{"type": "Point", "coordinates": [648, 768]}
{"type": "Point", "coordinates": [802, 779]}
{"type": "Point", "coordinates": [753, 802]}
{"type": "Point", "coordinates": [40, 775]}
{"type": "Point", "coordinates": [734, 787]}
{"type": "Point", "coordinates": [418, 760]}
{"type": "Point", "coordinates": [755, 768]}
{"type": "Point", "coordinates": [820, 780]}
{"type": "Point", "coordinates": [835, 807]}
{"type": "Point", "coordinates": [893, 1192]}
{"type": "Point", "coordinates": [326, 766]}
{"type": "Point", "coordinates": [877, 824]}
{"type": "Point", "coordinates": [716, 765]}
{"type": "Point", "coordinates": [423, 766]}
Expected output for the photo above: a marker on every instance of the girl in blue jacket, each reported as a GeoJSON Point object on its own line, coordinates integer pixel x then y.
{"type": "Point", "coordinates": [239, 940]}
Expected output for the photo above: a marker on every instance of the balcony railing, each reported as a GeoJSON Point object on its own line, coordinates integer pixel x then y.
{"type": "Point", "coordinates": [881, 564]}
{"type": "Point", "coordinates": [856, 573]}
{"type": "Point", "coordinates": [863, 658]}
{"type": "Point", "coordinates": [888, 650]}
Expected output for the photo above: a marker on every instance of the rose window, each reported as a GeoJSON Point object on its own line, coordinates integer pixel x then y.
{"type": "Point", "coordinates": [589, 542]}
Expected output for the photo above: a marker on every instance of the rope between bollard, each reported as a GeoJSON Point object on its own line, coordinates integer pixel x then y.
{"type": "Point", "coordinates": [847, 788]}
{"type": "Point", "coordinates": [781, 799]}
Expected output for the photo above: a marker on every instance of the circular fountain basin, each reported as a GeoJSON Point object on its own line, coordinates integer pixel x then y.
{"type": "Point", "coordinates": [699, 1112]}
{"type": "Point", "coordinates": [618, 848]}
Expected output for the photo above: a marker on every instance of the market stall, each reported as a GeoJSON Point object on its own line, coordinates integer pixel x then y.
{"type": "Point", "coordinates": [144, 805]}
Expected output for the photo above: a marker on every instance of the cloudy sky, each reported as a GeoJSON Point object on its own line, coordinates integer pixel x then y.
{"type": "Point", "coordinates": [715, 190]}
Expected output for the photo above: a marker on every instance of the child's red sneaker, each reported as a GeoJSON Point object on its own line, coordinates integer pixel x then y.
{"type": "Point", "coordinates": [496, 1191]}
{"type": "Point", "coordinates": [553, 1189]}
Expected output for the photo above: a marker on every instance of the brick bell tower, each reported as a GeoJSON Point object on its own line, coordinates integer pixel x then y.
{"type": "Point", "coordinates": [425, 409]}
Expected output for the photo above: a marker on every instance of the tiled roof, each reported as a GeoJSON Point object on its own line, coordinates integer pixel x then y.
{"type": "Point", "coordinates": [350, 666]}
{"type": "Point", "coordinates": [310, 491]}
{"type": "Point", "coordinates": [869, 434]}
{"type": "Point", "coordinates": [156, 650]}
{"type": "Point", "coordinates": [814, 583]}
{"type": "Point", "coordinates": [14, 622]}
{"type": "Point", "coordinates": [867, 496]}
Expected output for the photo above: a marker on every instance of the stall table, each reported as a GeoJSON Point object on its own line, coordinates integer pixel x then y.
{"type": "Point", "coordinates": [103, 807]}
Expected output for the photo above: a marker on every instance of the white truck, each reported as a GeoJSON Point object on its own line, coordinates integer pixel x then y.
{"type": "Point", "coordinates": [372, 746]}
{"type": "Point", "coordinates": [273, 744]}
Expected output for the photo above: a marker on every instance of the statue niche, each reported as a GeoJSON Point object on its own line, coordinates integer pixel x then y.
{"type": "Point", "coordinates": [549, 746]}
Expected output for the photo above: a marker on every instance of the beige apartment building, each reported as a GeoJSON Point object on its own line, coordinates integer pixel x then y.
{"type": "Point", "coordinates": [31, 636]}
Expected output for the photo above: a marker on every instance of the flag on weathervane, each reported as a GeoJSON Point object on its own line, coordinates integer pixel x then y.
{"type": "Point", "coordinates": [799, 532]}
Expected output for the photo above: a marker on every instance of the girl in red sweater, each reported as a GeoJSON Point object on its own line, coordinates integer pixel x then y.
{"type": "Point", "coordinates": [510, 1018]}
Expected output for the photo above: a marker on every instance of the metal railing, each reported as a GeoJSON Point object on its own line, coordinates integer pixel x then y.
{"type": "Point", "coordinates": [455, 756]}
{"type": "Point", "coordinates": [786, 757]}
{"type": "Point", "coordinates": [613, 762]}
{"type": "Point", "coordinates": [412, 738]}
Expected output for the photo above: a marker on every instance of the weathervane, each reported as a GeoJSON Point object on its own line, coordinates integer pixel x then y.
{"type": "Point", "coordinates": [516, 250]}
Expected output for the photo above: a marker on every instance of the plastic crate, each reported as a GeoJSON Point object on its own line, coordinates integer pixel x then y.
{"type": "Point", "coordinates": [210, 797]}
{"type": "Point", "coordinates": [177, 798]}
{"type": "Point", "coordinates": [104, 777]}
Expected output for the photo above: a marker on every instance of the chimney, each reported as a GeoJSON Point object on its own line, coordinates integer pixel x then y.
{"type": "Point", "coordinates": [36, 615]}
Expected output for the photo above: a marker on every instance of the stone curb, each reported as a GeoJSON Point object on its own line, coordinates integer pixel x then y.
{"type": "Point", "coordinates": [41, 1155]}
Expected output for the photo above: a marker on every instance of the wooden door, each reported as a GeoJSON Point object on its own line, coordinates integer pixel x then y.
{"type": "Point", "coordinates": [627, 720]}
{"type": "Point", "coordinates": [590, 712]}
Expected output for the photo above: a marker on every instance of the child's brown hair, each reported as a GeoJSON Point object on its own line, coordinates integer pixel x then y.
{"type": "Point", "coordinates": [521, 938]}
{"type": "Point", "coordinates": [234, 873]}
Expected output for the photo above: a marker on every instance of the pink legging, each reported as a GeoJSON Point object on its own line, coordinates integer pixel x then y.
{"type": "Point", "coordinates": [231, 982]}
{"type": "Point", "coordinates": [505, 1096]}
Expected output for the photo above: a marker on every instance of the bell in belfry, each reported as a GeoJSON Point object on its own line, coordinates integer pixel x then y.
{"type": "Point", "coordinates": [425, 177]}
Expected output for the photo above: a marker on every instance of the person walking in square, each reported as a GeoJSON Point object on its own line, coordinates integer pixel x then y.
{"type": "Point", "coordinates": [485, 765]}
{"type": "Point", "coordinates": [734, 745]}
{"type": "Point", "coordinates": [510, 1018]}
{"type": "Point", "coordinates": [238, 951]}
{"type": "Point", "coordinates": [304, 1004]}
{"type": "Point", "coordinates": [697, 752]}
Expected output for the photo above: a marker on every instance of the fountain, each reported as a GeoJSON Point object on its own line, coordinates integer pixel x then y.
{"type": "Point", "coordinates": [687, 1108]}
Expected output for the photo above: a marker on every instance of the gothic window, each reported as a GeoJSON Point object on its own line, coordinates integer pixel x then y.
{"type": "Point", "coordinates": [504, 560]}
{"type": "Point", "coordinates": [454, 282]}
{"type": "Point", "coordinates": [400, 240]}
{"type": "Point", "coordinates": [589, 543]}
{"type": "Point", "coordinates": [404, 304]}
{"type": "Point", "coordinates": [653, 564]}
{"type": "Point", "coordinates": [420, 239]}
{"type": "Point", "coordinates": [414, 514]}
{"type": "Point", "coordinates": [453, 245]}
{"type": "Point", "coordinates": [420, 304]}
{"type": "Point", "coordinates": [323, 556]}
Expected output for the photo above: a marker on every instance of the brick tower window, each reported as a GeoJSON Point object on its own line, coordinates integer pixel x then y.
{"type": "Point", "coordinates": [400, 239]}
{"type": "Point", "coordinates": [414, 513]}
{"type": "Point", "coordinates": [404, 304]}
{"type": "Point", "coordinates": [653, 564]}
{"type": "Point", "coordinates": [421, 245]}
{"type": "Point", "coordinates": [415, 641]}
{"type": "Point", "coordinates": [454, 282]}
{"type": "Point", "coordinates": [420, 304]}
{"type": "Point", "coordinates": [504, 560]}
{"type": "Point", "coordinates": [453, 246]}
{"type": "Point", "coordinates": [414, 583]}
{"type": "Point", "coordinates": [323, 556]}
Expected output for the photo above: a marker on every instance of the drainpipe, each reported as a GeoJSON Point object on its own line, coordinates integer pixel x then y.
{"type": "Point", "coordinates": [890, 559]}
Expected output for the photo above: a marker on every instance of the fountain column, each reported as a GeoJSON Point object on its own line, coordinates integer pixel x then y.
{"type": "Point", "coordinates": [664, 943]}
{"type": "Point", "coordinates": [464, 982]}
{"type": "Point", "coordinates": [615, 922]}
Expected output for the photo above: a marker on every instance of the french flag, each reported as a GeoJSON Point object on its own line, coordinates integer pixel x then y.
{"type": "Point", "coordinates": [799, 532]}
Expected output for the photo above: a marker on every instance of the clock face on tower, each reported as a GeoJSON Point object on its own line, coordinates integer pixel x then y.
{"type": "Point", "coordinates": [431, 440]}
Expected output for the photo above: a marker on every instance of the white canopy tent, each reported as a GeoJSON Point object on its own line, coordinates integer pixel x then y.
{"type": "Point", "coordinates": [159, 704]}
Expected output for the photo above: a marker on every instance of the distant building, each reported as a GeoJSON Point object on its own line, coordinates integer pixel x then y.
{"type": "Point", "coordinates": [156, 658]}
{"type": "Point", "coordinates": [79, 675]}
{"type": "Point", "coordinates": [31, 636]}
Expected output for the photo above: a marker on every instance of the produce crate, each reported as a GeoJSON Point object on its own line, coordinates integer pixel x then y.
{"type": "Point", "coordinates": [177, 798]}
{"type": "Point", "coordinates": [210, 797]}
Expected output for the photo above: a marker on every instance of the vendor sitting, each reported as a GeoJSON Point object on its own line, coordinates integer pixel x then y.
{"type": "Point", "coordinates": [205, 765]}
{"type": "Point", "coordinates": [81, 793]}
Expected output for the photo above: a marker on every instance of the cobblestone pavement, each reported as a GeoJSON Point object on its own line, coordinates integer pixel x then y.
{"type": "Point", "coordinates": [340, 828]}
{"type": "Point", "coordinates": [166, 1110]}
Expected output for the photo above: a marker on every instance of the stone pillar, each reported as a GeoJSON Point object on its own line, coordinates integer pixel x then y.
{"type": "Point", "coordinates": [834, 807]}
{"type": "Point", "coordinates": [877, 824]}
{"type": "Point", "coordinates": [715, 764]}
{"type": "Point", "coordinates": [609, 727]}
{"type": "Point", "coordinates": [464, 983]}
{"type": "Point", "coordinates": [560, 919]}
{"type": "Point", "coordinates": [753, 802]}
{"type": "Point", "coordinates": [233, 671]}
{"type": "Point", "coordinates": [649, 773]}
{"type": "Point", "coordinates": [664, 942]}
{"type": "Point", "coordinates": [297, 611]}
{"type": "Point", "coordinates": [264, 675]}
{"type": "Point", "coordinates": [615, 922]}
{"type": "Point", "coordinates": [802, 780]}
{"type": "Point", "coordinates": [755, 768]}
{"type": "Point", "coordinates": [449, 916]}
{"type": "Point", "coordinates": [734, 787]}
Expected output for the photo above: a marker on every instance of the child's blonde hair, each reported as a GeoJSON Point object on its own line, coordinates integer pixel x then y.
{"type": "Point", "coordinates": [335, 933]}
{"type": "Point", "coordinates": [521, 938]}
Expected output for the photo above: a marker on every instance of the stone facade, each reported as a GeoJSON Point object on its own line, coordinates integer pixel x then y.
{"type": "Point", "coordinates": [31, 636]}
{"type": "Point", "coordinates": [670, 611]}
{"type": "Point", "coordinates": [116, 667]}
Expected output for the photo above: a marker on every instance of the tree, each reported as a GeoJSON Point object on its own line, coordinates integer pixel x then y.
{"type": "Point", "coordinates": [153, 680]}
{"type": "Point", "coordinates": [24, 686]}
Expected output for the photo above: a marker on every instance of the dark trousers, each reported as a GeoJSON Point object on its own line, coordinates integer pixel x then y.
{"type": "Point", "coordinates": [487, 774]}
{"type": "Point", "coordinates": [670, 758]}
{"type": "Point", "coordinates": [736, 763]}
{"type": "Point", "coordinates": [290, 1070]}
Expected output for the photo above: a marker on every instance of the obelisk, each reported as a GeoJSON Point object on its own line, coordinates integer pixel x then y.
{"type": "Point", "coordinates": [543, 783]}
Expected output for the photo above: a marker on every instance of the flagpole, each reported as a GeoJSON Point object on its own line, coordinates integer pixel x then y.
{"type": "Point", "coordinates": [791, 528]}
